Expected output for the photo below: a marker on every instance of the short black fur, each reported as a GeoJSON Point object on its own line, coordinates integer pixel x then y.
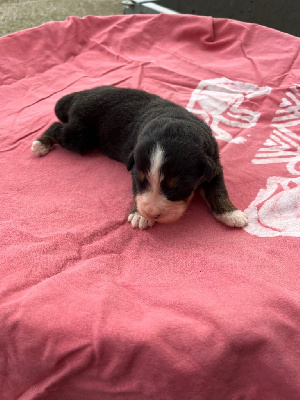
{"type": "Point", "coordinates": [126, 124]}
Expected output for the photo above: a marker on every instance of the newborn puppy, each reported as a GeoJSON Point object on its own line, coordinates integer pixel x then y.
{"type": "Point", "coordinates": [170, 152]}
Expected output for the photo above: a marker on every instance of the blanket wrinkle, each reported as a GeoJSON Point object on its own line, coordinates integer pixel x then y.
{"type": "Point", "coordinates": [26, 75]}
{"type": "Point", "coordinates": [68, 43]}
{"type": "Point", "coordinates": [36, 283]}
{"type": "Point", "coordinates": [30, 92]}
{"type": "Point", "coordinates": [184, 307]}
{"type": "Point", "coordinates": [98, 47]}
{"type": "Point", "coordinates": [156, 72]}
{"type": "Point", "coordinates": [110, 70]}
{"type": "Point", "coordinates": [105, 28]}
{"type": "Point", "coordinates": [67, 86]}
{"type": "Point", "coordinates": [174, 78]}
{"type": "Point", "coordinates": [103, 357]}
{"type": "Point", "coordinates": [123, 46]}
{"type": "Point", "coordinates": [115, 243]}
{"type": "Point", "coordinates": [139, 77]}
{"type": "Point", "coordinates": [258, 74]}
{"type": "Point", "coordinates": [260, 78]}
{"type": "Point", "coordinates": [135, 56]}
{"type": "Point", "coordinates": [120, 81]}
{"type": "Point", "coordinates": [10, 148]}
{"type": "Point", "coordinates": [72, 353]}
{"type": "Point", "coordinates": [17, 128]}
{"type": "Point", "coordinates": [133, 19]}
{"type": "Point", "coordinates": [292, 67]}
{"type": "Point", "coordinates": [51, 94]}
{"type": "Point", "coordinates": [114, 82]}
{"type": "Point", "coordinates": [215, 38]}
{"type": "Point", "coordinates": [26, 135]}
{"type": "Point", "coordinates": [177, 309]}
{"type": "Point", "coordinates": [182, 58]}
{"type": "Point", "coordinates": [285, 305]}
{"type": "Point", "coordinates": [138, 349]}
{"type": "Point", "coordinates": [59, 374]}
{"type": "Point", "coordinates": [277, 83]}
{"type": "Point", "coordinates": [83, 253]}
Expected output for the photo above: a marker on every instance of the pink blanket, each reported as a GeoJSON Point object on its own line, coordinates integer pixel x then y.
{"type": "Point", "coordinates": [91, 309]}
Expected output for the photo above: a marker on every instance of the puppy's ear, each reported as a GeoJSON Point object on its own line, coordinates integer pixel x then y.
{"type": "Point", "coordinates": [130, 162]}
{"type": "Point", "coordinates": [208, 168]}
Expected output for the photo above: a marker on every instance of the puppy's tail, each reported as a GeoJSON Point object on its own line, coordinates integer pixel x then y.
{"type": "Point", "coordinates": [63, 106]}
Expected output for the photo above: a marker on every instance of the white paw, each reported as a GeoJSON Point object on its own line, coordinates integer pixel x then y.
{"type": "Point", "coordinates": [137, 221]}
{"type": "Point", "coordinates": [39, 148]}
{"type": "Point", "coordinates": [235, 218]}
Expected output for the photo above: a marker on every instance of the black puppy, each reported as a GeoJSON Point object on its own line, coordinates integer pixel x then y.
{"type": "Point", "coordinates": [170, 152]}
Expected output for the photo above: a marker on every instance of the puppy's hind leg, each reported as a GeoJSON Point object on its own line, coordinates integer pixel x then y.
{"type": "Point", "coordinates": [42, 145]}
{"type": "Point", "coordinates": [216, 195]}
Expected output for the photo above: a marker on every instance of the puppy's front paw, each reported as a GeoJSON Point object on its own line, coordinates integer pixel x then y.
{"type": "Point", "coordinates": [137, 221]}
{"type": "Point", "coordinates": [39, 148]}
{"type": "Point", "coordinates": [235, 218]}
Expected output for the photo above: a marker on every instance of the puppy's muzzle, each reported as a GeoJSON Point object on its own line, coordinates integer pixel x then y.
{"type": "Point", "coordinates": [154, 215]}
{"type": "Point", "coordinates": [161, 209]}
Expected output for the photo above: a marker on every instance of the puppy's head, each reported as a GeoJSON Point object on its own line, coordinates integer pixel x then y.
{"type": "Point", "coordinates": [165, 176]}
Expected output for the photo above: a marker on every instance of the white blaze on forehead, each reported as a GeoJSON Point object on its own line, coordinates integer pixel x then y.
{"type": "Point", "coordinates": [156, 161]}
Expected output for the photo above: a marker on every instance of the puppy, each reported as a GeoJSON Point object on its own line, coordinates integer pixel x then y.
{"type": "Point", "coordinates": [170, 152]}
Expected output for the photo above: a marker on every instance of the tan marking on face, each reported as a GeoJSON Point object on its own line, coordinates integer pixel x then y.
{"type": "Point", "coordinates": [172, 182]}
{"type": "Point", "coordinates": [141, 176]}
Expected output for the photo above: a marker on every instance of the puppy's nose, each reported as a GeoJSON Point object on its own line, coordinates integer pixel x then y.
{"type": "Point", "coordinates": [153, 215]}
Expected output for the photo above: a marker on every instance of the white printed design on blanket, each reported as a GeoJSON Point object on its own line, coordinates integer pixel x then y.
{"type": "Point", "coordinates": [218, 102]}
{"type": "Point", "coordinates": [276, 209]}
{"type": "Point", "coordinates": [283, 145]}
